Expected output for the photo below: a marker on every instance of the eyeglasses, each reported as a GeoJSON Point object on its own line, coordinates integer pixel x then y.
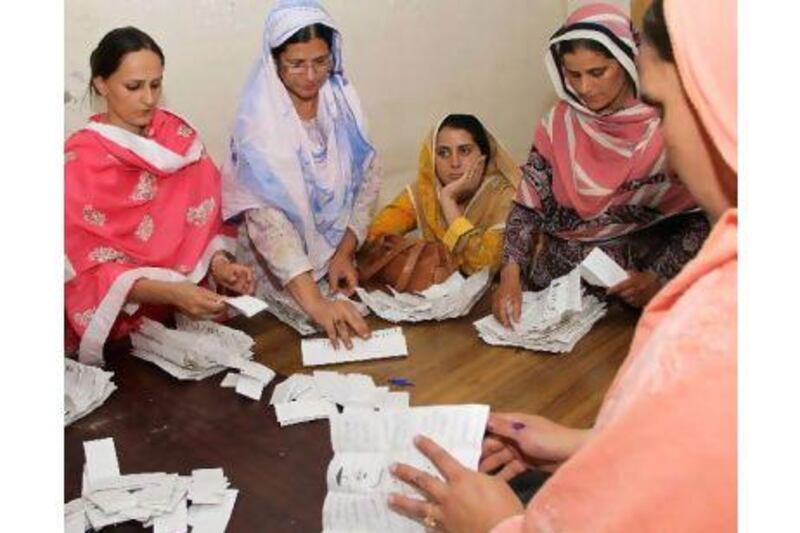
{"type": "Point", "coordinates": [319, 65]}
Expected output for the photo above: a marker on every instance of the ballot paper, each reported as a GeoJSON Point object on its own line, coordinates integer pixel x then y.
{"type": "Point", "coordinates": [75, 520]}
{"type": "Point", "coordinates": [155, 499]}
{"type": "Point", "coordinates": [599, 269]}
{"type": "Point", "coordinates": [194, 351]}
{"type": "Point", "coordinates": [85, 389]}
{"type": "Point", "coordinates": [199, 349]}
{"type": "Point", "coordinates": [285, 308]}
{"type": "Point", "coordinates": [383, 343]}
{"type": "Point", "coordinates": [551, 320]}
{"type": "Point", "coordinates": [366, 444]}
{"type": "Point", "coordinates": [452, 298]}
{"type": "Point", "coordinates": [228, 338]}
{"type": "Point", "coordinates": [301, 397]}
{"type": "Point", "coordinates": [186, 353]}
{"type": "Point", "coordinates": [248, 305]}
{"type": "Point", "coordinates": [290, 413]}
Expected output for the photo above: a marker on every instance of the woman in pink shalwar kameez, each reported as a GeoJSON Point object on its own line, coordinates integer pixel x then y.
{"type": "Point", "coordinates": [142, 206]}
{"type": "Point", "coordinates": [662, 454]}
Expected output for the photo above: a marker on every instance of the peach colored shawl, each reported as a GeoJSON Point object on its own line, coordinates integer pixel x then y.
{"type": "Point", "coordinates": [662, 456]}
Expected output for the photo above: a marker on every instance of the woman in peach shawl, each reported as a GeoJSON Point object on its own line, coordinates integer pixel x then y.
{"type": "Point", "coordinates": [661, 455]}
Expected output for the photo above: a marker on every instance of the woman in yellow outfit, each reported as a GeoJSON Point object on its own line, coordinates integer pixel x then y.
{"type": "Point", "coordinates": [462, 195]}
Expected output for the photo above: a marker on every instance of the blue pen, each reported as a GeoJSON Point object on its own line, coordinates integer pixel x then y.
{"type": "Point", "coordinates": [400, 382]}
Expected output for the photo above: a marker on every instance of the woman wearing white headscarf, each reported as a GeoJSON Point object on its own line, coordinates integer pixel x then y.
{"type": "Point", "coordinates": [302, 175]}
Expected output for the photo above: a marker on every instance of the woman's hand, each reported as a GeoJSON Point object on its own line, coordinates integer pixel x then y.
{"type": "Point", "coordinates": [517, 442]}
{"type": "Point", "coordinates": [233, 276]}
{"type": "Point", "coordinates": [507, 298]}
{"type": "Point", "coordinates": [468, 183]}
{"type": "Point", "coordinates": [465, 501]}
{"type": "Point", "coordinates": [638, 289]}
{"type": "Point", "coordinates": [342, 275]}
{"type": "Point", "coordinates": [194, 301]}
{"type": "Point", "coordinates": [340, 320]}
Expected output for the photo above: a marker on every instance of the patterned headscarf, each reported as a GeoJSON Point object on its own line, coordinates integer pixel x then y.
{"type": "Point", "coordinates": [271, 162]}
{"type": "Point", "coordinates": [594, 154]}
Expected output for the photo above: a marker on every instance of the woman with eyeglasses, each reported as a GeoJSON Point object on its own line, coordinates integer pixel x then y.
{"type": "Point", "coordinates": [302, 175]}
{"type": "Point", "coordinates": [597, 174]}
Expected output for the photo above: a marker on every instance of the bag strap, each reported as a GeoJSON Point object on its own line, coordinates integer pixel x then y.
{"type": "Point", "coordinates": [372, 269]}
{"type": "Point", "coordinates": [408, 267]}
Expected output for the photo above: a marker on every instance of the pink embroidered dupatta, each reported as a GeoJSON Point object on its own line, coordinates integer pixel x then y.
{"type": "Point", "coordinates": [135, 207]}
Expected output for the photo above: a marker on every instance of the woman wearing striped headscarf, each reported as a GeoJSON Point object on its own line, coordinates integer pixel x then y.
{"type": "Point", "coordinates": [661, 455]}
{"type": "Point", "coordinates": [597, 174]}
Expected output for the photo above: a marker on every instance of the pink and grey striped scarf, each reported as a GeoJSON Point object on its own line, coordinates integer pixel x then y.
{"type": "Point", "coordinates": [593, 154]}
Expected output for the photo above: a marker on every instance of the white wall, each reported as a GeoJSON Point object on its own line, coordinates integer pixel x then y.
{"type": "Point", "coordinates": [624, 4]}
{"type": "Point", "coordinates": [411, 60]}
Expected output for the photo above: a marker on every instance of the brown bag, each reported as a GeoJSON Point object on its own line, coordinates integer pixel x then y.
{"type": "Point", "coordinates": [406, 265]}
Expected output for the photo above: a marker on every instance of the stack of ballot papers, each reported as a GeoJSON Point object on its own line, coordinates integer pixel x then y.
{"type": "Point", "coordinates": [383, 343]}
{"type": "Point", "coordinates": [158, 500]}
{"type": "Point", "coordinates": [303, 398]}
{"type": "Point", "coordinates": [450, 299]}
{"type": "Point", "coordinates": [599, 269]}
{"type": "Point", "coordinates": [85, 389]}
{"type": "Point", "coordinates": [286, 309]}
{"type": "Point", "coordinates": [366, 444]}
{"type": "Point", "coordinates": [552, 320]}
{"type": "Point", "coordinates": [196, 350]}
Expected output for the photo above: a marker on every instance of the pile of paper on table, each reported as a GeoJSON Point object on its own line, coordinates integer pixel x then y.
{"type": "Point", "coordinates": [155, 499]}
{"type": "Point", "coordinates": [551, 320]}
{"type": "Point", "coordinates": [302, 397]}
{"type": "Point", "coordinates": [85, 389]}
{"type": "Point", "coordinates": [450, 299]}
{"type": "Point", "coordinates": [201, 348]}
{"type": "Point", "coordinates": [366, 444]}
{"type": "Point", "coordinates": [196, 350]}
{"type": "Point", "coordinates": [286, 309]}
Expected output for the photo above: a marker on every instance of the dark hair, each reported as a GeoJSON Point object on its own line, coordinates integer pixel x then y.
{"type": "Point", "coordinates": [106, 58]}
{"type": "Point", "coordinates": [304, 35]}
{"type": "Point", "coordinates": [569, 47]}
{"type": "Point", "coordinates": [472, 125]}
{"type": "Point", "coordinates": [654, 27]}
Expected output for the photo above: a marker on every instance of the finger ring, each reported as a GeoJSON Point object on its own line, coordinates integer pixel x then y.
{"type": "Point", "coordinates": [429, 521]}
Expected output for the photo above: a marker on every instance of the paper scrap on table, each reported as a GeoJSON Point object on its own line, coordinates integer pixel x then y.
{"type": "Point", "coordinates": [302, 398]}
{"type": "Point", "coordinates": [156, 499]}
{"type": "Point", "coordinates": [229, 381]}
{"type": "Point", "coordinates": [101, 460]}
{"type": "Point", "coordinates": [249, 386]}
{"type": "Point", "coordinates": [85, 389]}
{"type": "Point", "coordinates": [303, 411]}
{"type": "Point", "coordinates": [384, 343]}
{"type": "Point", "coordinates": [599, 269]}
{"type": "Point", "coordinates": [213, 518]}
{"type": "Point", "coordinates": [248, 305]}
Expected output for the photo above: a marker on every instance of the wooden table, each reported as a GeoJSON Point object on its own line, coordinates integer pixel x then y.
{"type": "Point", "coordinates": [161, 424]}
